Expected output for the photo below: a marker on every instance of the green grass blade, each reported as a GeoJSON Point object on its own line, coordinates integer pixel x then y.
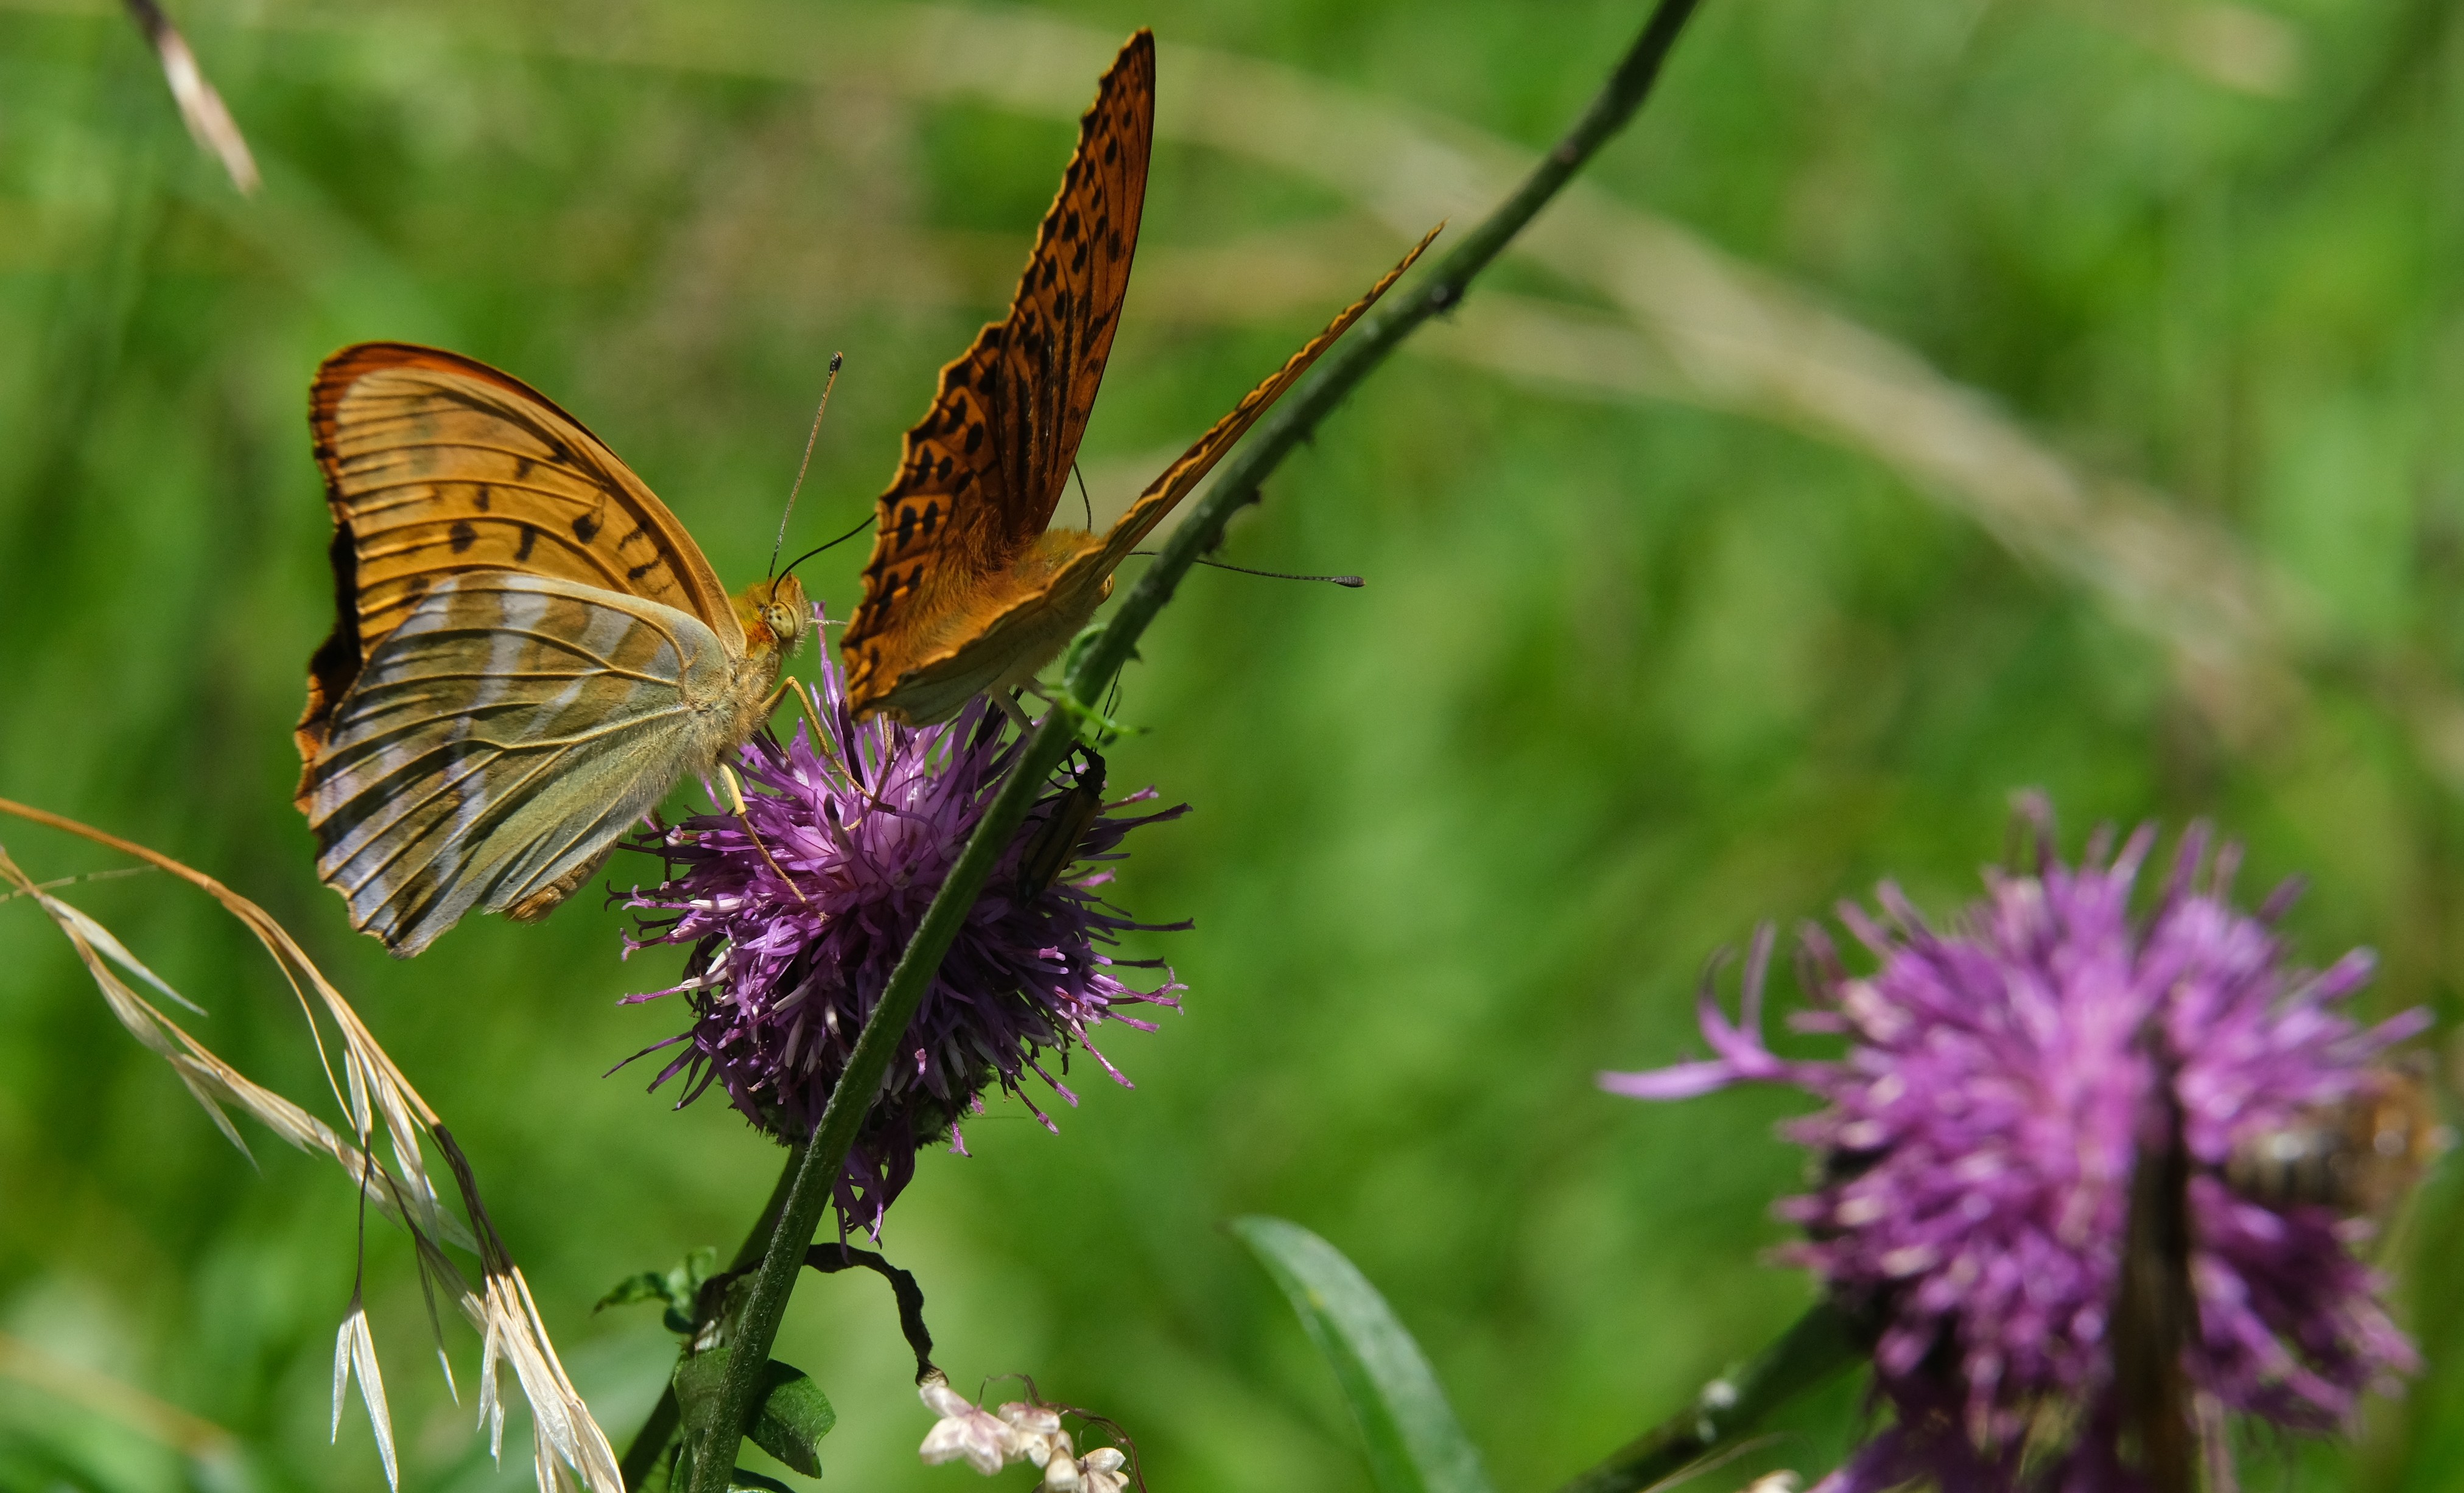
{"type": "Point", "coordinates": [1415, 1443]}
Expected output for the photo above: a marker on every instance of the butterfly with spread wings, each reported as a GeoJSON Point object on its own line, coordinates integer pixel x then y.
{"type": "Point", "coordinates": [528, 652]}
{"type": "Point", "coordinates": [969, 588]}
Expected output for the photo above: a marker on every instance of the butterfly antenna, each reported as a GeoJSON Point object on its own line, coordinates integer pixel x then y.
{"type": "Point", "coordinates": [1352, 582]}
{"type": "Point", "coordinates": [860, 526]}
{"type": "Point", "coordinates": [1088, 502]}
{"type": "Point", "coordinates": [780, 543]}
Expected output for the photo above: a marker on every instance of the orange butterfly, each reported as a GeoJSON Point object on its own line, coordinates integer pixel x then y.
{"type": "Point", "coordinates": [528, 649]}
{"type": "Point", "coordinates": [968, 589]}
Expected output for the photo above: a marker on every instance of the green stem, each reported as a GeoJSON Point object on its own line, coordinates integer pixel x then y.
{"type": "Point", "coordinates": [658, 1432]}
{"type": "Point", "coordinates": [1821, 1344]}
{"type": "Point", "coordinates": [1367, 345]}
{"type": "Point", "coordinates": [1092, 669]}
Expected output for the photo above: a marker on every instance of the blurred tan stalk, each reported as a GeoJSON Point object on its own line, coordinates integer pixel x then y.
{"type": "Point", "coordinates": [191, 1436]}
{"type": "Point", "coordinates": [1686, 322]}
{"type": "Point", "coordinates": [569, 1449]}
{"type": "Point", "coordinates": [201, 108]}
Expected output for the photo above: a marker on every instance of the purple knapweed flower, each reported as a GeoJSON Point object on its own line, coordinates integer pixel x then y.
{"type": "Point", "coordinates": [798, 908]}
{"type": "Point", "coordinates": [1978, 1141]}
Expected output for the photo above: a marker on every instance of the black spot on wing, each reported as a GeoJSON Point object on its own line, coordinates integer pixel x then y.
{"type": "Point", "coordinates": [462, 536]}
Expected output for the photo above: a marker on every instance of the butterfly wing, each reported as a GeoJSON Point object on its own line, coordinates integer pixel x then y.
{"type": "Point", "coordinates": [1182, 477]}
{"type": "Point", "coordinates": [1019, 619]}
{"type": "Point", "coordinates": [981, 474]}
{"type": "Point", "coordinates": [500, 739]}
{"type": "Point", "coordinates": [438, 465]}
{"type": "Point", "coordinates": [1014, 620]}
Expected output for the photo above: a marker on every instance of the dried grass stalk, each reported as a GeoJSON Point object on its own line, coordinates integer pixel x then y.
{"type": "Point", "coordinates": [570, 1450]}
{"type": "Point", "coordinates": [201, 108]}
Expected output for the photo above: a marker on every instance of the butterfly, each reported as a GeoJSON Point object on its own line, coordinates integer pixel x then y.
{"type": "Point", "coordinates": [2357, 1158]}
{"type": "Point", "coordinates": [968, 587]}
{"type": "Point", "coordinates": [528, 649]}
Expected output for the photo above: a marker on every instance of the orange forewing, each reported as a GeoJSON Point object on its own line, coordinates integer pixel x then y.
{"type": "Point", "coordinates": [1182, 477]}
{"type": "Point", "coordinates": [992, 629]}
{"type": "Point", "coordinates": [981, 475]}
{"type": "Point", "coordinates": [436, 465]}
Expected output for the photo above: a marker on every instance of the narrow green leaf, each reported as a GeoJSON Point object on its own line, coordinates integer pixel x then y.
{"type": "Point", "coordinates": [1415, 1443]}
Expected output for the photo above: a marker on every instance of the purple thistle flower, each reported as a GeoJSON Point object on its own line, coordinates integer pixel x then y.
{"type": "Point", "coordinates": [796, 927]}
{"type": "Point", "coordinates": [1979, 1138]}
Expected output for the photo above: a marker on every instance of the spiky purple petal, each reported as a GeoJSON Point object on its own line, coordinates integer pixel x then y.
{"type": "Point", "coordinates": [1978, 1140]}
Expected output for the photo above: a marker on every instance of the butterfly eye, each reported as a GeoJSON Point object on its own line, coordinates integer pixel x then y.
{"type": "Point", "coordinates": [783, 622]}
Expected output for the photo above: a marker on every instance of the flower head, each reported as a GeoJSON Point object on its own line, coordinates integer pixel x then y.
{"type": "Point", "coordinates": [1028, 1432]}
{"type": "Point", "coordinates": [1036, 1430]}
{"type": "Point", "coordinates": [1099, 1471]}
{"type": "Point", "coordinates": [1979, 1140]}
{"type": "Point", "coordinates": [799, 908]}
{"type": "Point", "coordinates": [965, 1432]}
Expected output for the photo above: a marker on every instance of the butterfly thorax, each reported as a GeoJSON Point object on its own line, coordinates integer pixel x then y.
{"type": "Point", "coordinates": [774, 615]}
{"type": "Point", "coordinates": [999, 630]}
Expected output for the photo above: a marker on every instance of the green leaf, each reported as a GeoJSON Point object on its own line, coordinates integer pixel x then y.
{"type": "Point", "coordinates": [679, 1286]}
{"type": "Point", "coordinates": [649, 1285]}
{"type": "Point", "coordinates": [1415, 1443]}
{"type": "Point", "coordinates": [740, 1480]}
{"type": "Point", "coordinates": [794, 1417]}
{"type": "Point", "coordinates": [697, 1380]}
{"type": "Point", "coordinates": [789, 1419]}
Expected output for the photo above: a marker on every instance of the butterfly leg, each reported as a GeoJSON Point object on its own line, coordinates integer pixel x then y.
{"type": "Point", "coordinates": [795, 689]}
{"type": "Point", "coordinates": [735, 794]}
{"type": "Point", "coordinates": [1017, 713]}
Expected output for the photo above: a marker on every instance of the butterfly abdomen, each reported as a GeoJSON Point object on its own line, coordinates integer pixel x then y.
{"type": "Point", "coordinates": [997, 634]}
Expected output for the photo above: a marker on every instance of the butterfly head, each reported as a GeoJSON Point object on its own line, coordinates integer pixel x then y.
{"type": "Point", "coordinates": [776, 612]}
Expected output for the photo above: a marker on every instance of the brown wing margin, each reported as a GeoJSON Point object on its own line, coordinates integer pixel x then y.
{"type": "Point", "coordinates": [436, 464]}
{"type": "Point", "coordinates": [980, 476]}
{"type": "Point", "coordinates": [1184, 475]}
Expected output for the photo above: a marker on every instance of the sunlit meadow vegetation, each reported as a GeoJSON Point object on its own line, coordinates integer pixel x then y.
{"type": "Point", "coordinates": [1925, 399]}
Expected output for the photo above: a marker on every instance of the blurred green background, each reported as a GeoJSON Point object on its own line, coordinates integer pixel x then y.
{"type": "Point", "coordinates": [1924, 399]}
